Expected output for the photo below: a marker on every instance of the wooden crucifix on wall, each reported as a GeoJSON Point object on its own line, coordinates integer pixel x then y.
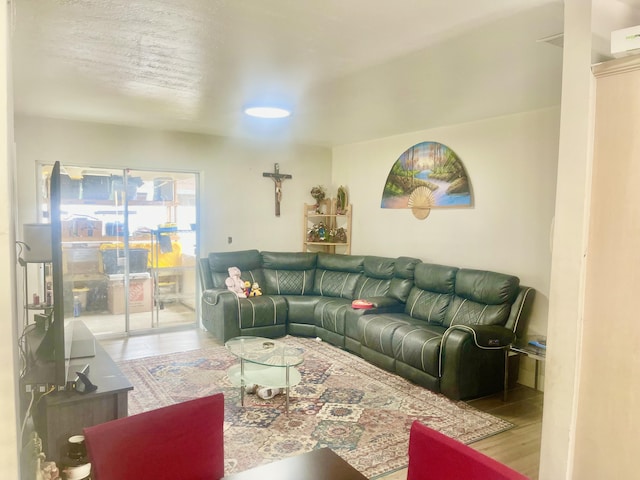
{"type": "Point", "coordinates": [277, 180]}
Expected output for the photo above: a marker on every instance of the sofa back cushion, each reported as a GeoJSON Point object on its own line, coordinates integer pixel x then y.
{"type": "Point", "coordinates": [337, 275]}
{"type": "Point", "coordinates": [378, 272]}
{"type": "Point", "coordinates": [248, 261]}
{"type": "Point", "coordinates": [288, 273]}
{"type": "Point", "coordinates": [402, 281]}
{"type": "Point", "coordinates": [482, 298]}
{"type": "Point", "coordinates": [432, 293]}
{"type": "Point", "coordinates": [383, 276]}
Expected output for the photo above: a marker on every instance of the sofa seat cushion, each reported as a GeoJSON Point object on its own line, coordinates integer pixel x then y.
{"type": "Point", "coordinates": [419, 346]}
{"type": "Point", "coordinates": [262, 311]}
{"type": "Point", "coordinates": [380, 305]}
{"type": "Point", "coordinates": [376, 331]}
{"type": "Point", "coordinates": [329, 313]}
{"type": "Point", "coordinates": [301, 308]}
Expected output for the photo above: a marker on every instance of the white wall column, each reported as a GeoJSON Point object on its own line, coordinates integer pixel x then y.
{"type": "Point", "coordinates": [9, 458]}
{"type": "Point", "coordinates": [566, 297]}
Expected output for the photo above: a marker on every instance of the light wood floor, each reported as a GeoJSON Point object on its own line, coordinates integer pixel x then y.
{"type": "Point", "coordinates": [172, 315]}
{"type": "Point", "coordinates": [518, 448]}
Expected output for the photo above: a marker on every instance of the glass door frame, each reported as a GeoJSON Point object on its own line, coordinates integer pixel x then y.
{"type": "Point", "coordinates": [126, 205]}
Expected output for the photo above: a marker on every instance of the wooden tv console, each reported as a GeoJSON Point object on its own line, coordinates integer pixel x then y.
{"type": "Point", "coordinates": [61, 414]}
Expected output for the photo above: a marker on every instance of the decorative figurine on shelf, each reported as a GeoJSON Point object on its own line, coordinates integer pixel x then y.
{"type": "Point", "coordinates": [321, 232]}
{"type": "Point", "coordinates": [318, 195]}
{"type": "Point", "coordinates": [256, 291]}
{"type": "Point", "coordinates": [341, 201]}
{"type": "Point", "coordinates": [340, 235]}
{"type": "Point", "coordinates": [234, 283]}
{"type": "Point", "coordinates": [312, 235]}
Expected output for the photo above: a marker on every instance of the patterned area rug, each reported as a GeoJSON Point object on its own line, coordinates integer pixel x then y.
{"type": "Point", "coordinates": [361, 412]}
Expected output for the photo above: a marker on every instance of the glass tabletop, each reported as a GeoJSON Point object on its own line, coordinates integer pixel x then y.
{"type": "Point", "coordinates": [531, 345]}
{"type": "Point", "coordinates": [265, 351]}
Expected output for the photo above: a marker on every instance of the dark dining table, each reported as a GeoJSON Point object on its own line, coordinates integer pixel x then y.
{"type": "Point", "coordinates": [320, 464]}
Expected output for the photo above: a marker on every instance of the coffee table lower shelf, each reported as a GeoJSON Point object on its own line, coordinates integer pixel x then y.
{"type": "Point", "coordinates": [265, 376]}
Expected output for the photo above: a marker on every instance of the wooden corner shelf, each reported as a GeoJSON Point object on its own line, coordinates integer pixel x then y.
{"type": "Point", "coordinates": [323, 221]}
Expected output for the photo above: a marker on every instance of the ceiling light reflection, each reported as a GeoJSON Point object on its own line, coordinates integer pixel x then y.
{"type": "Point", "coordinates": [267, 112]}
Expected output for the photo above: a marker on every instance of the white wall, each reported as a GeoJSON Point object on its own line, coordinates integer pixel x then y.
{"type": "Point", "coordinates": [511, 162]}
{"type": "Point", "coordinates": [566, 297]}
{"type": "Point", "coordinates": [607, 397]}
{"type": "Point", "coordinates": [8, 328]}
{"type": "Point", "coordinates": [236, 200]}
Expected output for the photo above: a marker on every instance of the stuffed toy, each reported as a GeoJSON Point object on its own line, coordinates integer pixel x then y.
{"type": "Point", "coordinates": [235, 283]}
{"type": "Point", "coordinates": [265, 393]}
{"type": "Point", "coordinates": [247, 288]}
{"type": "Point", "coordinates": [256, 291]}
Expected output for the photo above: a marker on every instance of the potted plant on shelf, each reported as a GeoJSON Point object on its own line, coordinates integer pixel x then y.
{"type": "Point", "coordinates": [341, 201]}
{"type": "Point", "coordinates": [318, 195]}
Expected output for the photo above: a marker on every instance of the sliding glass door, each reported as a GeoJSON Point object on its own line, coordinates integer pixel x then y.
{"type": "Point", "coordinates": [129, 246]}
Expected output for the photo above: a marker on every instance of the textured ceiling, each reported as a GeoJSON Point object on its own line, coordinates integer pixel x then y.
{"type": "Point", "coordinates": [350, 70]}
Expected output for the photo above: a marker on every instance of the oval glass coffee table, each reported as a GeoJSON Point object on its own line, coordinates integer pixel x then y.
{"type": "Point", "coordinates": [265, 362]}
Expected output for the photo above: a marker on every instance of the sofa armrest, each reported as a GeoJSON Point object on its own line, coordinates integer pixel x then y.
{"type": "Point", "coordinates": [521, 310]}
{"type": "Point", "coordinates": [213, 296]}
{"type": "Point", "coordinates": [488, 336]}
{"type": "Point", "coordinates": [220, 313]}
{"type": "Point", "coordinates": [204, 272]}
{"type": "Point", "coordinates": [472, 360]}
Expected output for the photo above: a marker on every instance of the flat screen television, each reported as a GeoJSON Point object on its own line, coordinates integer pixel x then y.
{"type": "Point", "coordinates": [53, 348]}
{"type": "Point", "coordinates": [65, 339]}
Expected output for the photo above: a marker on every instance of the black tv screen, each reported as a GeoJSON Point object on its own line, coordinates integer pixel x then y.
{"type": "Point", "coordinates": [53, 348]}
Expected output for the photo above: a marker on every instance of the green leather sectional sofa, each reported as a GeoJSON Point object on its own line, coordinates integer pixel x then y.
{"type": "Point", "coordinates": [442, 327]}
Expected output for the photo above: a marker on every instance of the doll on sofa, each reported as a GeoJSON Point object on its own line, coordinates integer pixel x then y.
{"type": "Point", "coordinates": [235, 283]}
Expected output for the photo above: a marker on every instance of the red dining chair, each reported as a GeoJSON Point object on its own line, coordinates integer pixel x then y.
{"type": "Point", "coordinates": [182, 441]}
{"type": "Point", "coordinates": [434, 456]}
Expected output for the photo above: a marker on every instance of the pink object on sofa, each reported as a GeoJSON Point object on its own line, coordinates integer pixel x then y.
{"type": "Point", "coordinates": [182, 441]}
{"type": "Point", "coordinates": [434, 456]}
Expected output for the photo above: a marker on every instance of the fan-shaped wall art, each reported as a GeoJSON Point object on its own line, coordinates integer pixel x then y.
{"type": "Point", "coordinates": [427, 175]}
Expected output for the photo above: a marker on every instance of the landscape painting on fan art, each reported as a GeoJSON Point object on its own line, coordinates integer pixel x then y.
{"type": "Point", "coordinates": [427, 175]}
